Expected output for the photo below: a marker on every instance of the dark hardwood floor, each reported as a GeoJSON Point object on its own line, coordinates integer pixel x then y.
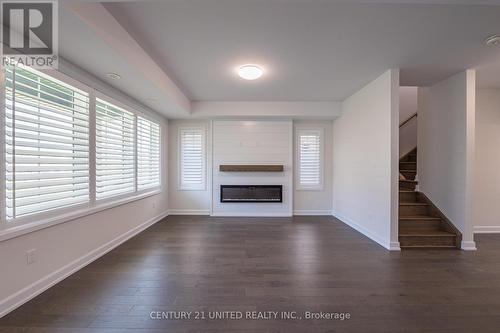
{"type": "Point", "coordinates": [271, 264]}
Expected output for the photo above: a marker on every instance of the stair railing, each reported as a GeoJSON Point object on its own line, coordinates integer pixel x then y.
{"type": "Point", "coordinates": [408, 119]}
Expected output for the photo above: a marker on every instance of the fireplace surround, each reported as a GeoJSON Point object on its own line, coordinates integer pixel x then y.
{"type": "Point", "coordinates": [251, 193]}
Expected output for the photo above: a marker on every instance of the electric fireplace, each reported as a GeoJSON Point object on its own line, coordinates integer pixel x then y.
{"type": "Point", "coordinates": [251, 193]}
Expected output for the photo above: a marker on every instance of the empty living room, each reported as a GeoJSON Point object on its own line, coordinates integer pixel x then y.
{"type": "Point", "coordinates": [250, 166]}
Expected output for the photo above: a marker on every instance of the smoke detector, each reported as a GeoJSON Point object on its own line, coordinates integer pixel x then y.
{"type": "Point", "coordinates": [113, 76]}
{"type": "Point", "coordinates": [493, 40]}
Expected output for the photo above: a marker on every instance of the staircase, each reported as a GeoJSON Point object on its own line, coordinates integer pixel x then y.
{"type": "Point", "coordinates": [421, 224]}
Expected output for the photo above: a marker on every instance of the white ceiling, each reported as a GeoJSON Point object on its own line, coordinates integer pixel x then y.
{"type": "Point", "coordinates": [315, 50]}
{"type": "Point", "coordinates": [82, 46]}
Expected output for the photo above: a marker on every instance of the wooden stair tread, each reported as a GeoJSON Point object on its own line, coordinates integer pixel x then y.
{"type": "Point", "coordinates": [421, 224]}
{"type": "Point", "coordinates": [430, 247]}
{"type": "Point", "coordinates": [419, 217]}
{"type": "Point", "coordinates": [409, 203]}
{"type": "Point", "coordinates": [425, 233]}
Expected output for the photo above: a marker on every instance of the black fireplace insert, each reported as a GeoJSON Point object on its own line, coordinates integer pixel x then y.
{"type": "Point", "coordinates": [251, 193]}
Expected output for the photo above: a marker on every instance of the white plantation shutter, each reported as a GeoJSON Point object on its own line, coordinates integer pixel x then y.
{"type": "Point", "coordinates": [148, 154]}
{"type": "Point", "coordinates": [115, 160]}
{"type": "Point", "coordinates": [46, 143]}
{"type": "Point", "coordinates": [46, 140]}
{"type": "Point", "coordinates": [310, 168]}
{"type": "Point", "coordinates": [192, 158]}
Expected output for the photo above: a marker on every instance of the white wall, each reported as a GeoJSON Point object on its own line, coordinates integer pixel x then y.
{"type": "Point", "coordinates": [407, 102]}
{"type": "Point", "coordinates": [365, 160]}
{"type": "Point", "coordinates": [187, 202]}
{"type": "Point", "coordinates": [446, 149]}
{"type": "Point", "coordinates": [407, 108]}
{"type": "Point", "coordinates": [253, 142]}
{"type": "Point", "coordinates": [487, 170]}
{"type": "Point", "coordinates": [65, 247]}
{"type": "Point", "coordinates": [262, 110]}
{"type": "Point", "coordinates": [315, 202]}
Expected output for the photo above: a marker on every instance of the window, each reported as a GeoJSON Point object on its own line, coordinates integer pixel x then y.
{"type": "Point", "coordinates": [115, 160]}
{"type": "Point", "coordinates": [148, 154]}
{"type": "Point", "coordinates": [65, 151]}
{"type": "Point", "coordinates": [46, 143]}
{"type": "Point", "coordinates": [310, 159]}
{"type": "Point", "coordinates": [192, 159]}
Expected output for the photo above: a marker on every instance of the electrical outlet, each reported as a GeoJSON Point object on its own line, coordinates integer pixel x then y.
{"type": "Point", "coordinates": [31, 256]}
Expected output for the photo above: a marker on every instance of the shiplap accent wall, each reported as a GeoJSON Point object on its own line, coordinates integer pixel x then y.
{"type": "Point", "coordinates": [253, 142]}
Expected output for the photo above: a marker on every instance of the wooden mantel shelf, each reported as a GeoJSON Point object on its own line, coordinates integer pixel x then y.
{"type": "Point", "coordinates": [250, 168]}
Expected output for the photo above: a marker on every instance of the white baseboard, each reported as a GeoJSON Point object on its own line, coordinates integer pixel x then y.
{"type": "Point", "coordinates": [486, 229]}
{"type": "Point", "coordinates": [394, 246]}
{"type": "Point", "coordinates": [188, 212]}
{"type": "Point", "coordinates": [468, 246]}
{"type": "Point", "coordinates": [251, 214]}
{"type": "Point", "coordinates": [24, 295]}
{"type": "Point", "coordinates": [356, 226]}
{"type": "Point", "coordinates": [312, 212]}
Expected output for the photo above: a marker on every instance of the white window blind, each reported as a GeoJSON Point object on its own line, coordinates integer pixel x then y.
{"type": "Point", "coordinates": [148, 154]}
{"type": "Point", "coordinates": [309, 159]}
{"type": "Point", "coordinates": [46, 143]}
{"type": "Point", "coordinates": [115, 160]}
{"type": "Point", "coordinates": [192, 158]}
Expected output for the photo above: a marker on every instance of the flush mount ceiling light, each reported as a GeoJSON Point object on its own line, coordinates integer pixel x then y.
{"type": "Point", "coordinates": [493, 40]}
{"type": "Point", "coordinates": [250, 72]}
{"type": "Point", "coordinates": [113, 76]}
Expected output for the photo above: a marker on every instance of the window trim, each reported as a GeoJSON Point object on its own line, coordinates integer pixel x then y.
{"type": "Point", "coordinates": [25, 227]}
{"type": "Point", "coordinates": [321, 131]}
{"type": "Point", "coordinates": [8, 223]}
{"type": "Point", "coordinates": [3, 151]}
{"type": "Point", "coordinates": [108, 99]}
{"type": "Point", "coordinates": [136, 193]}
{"type": "Point", "coordinates": [198, 187]}
{"type": "Point", "coordinates": [160, 156]}
{"type": "Point", "coordinates": [37, 221]}
{"type": "Point", "coordinates": [134, 145]}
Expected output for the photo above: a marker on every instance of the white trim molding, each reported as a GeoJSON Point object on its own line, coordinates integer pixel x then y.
{"type": "Point", "coordinates": [189, 212]}
{"type": "Point", "coordinates": [301, 130]}
{"type": "Point", "coordinates": [251, 214]}
{"type": "Point", "coordinates": [306, 212]}
{"type": "Point", "coordinates": [468, 246]}
{"type": "Point", "coordinates": [487, 229]}
{"type": "Point", "coordinates": [181, 185]}
{"type": "Point", "coordinates": [26, 228]}
{"type": "Point", "coordinates": [43, 218]}
{"type": "Point", "coordinates": [392, 246]}
{"type": "Point", "coordinates": [24, 295]}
